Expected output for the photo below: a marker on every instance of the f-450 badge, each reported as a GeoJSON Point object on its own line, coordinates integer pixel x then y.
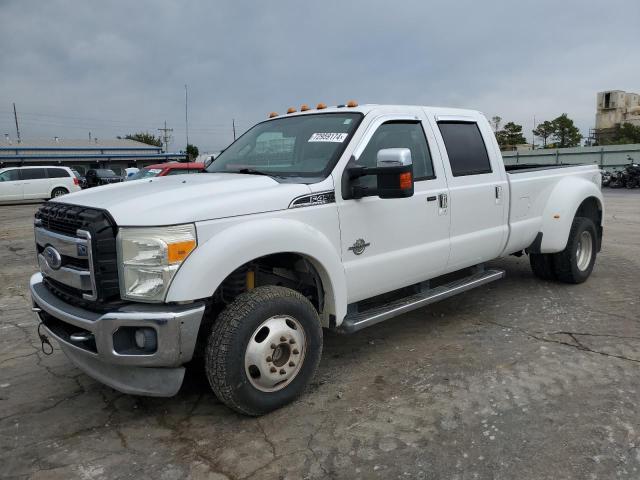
{"type": "Point", "coordinates": [359, 246]}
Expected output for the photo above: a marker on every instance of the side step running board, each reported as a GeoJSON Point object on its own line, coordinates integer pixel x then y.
{"type": "Point", "coordinates": [357, 321]}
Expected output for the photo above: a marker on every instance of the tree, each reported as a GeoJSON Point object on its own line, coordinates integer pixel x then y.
{"type": "Point", "coordinates": [510, 136]}
{"type": "Point", "coordinates": [145, 137]}
{"type": "Point", "coordinates": [626, 133]}
{"type": "Point", "coordinates": [495, 121]}
{"type": "Point", "coordinates": [565, 133]}
{"type": "Point", "coordinates": [192, 151]}
{"type": "Point", "coordinates": [544, 130]}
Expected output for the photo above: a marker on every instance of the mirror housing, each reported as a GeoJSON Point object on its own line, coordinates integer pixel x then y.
{"type": "Point", "coordinates": [394, 172]}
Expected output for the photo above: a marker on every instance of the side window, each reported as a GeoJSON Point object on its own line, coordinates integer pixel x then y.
{"type": "Point", "coordinates": [400, 134]}
{"type": "Point", "coordinates": [33, 173]}
{"type": "Point", "coordinates": [177, 171]}
{"type": "Point", "coordinates": [57, 173]}
{"type": "Point", "coordinates": [465, 147]}
{"type": "Point", "coordinates": [10, 176]}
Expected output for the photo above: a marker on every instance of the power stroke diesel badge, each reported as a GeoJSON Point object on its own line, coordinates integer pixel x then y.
{"type": "Point", "coordinates": [359, 246]}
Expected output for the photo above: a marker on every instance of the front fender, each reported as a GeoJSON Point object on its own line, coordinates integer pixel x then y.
{"type": "Point", "coordinates": [211, 262]}
{"type": "Point", "coordinates": [564, 201]}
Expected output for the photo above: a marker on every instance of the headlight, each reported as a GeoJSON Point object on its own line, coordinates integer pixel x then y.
{"type": "Point", "coordinates": [148, 258]}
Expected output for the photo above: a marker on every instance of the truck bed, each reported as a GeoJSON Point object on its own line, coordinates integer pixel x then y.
{"type": "Point", "coordinates": [531, 187]}
{"type": "Point", "coordinates": [532, 167]}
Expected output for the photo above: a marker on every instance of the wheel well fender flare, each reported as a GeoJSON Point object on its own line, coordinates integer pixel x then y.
{"type": "Point", "coordinates": [214, 260]}
{"type": "Point", "coordinates": [561, 208]}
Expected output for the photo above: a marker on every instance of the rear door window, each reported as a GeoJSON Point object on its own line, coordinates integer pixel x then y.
{"type": "Point", "coordinates": [465, 148]}
{"type": "Point", "coordinates": [33, 173]}
{"type": "Point", "coordinates": [57, 173]}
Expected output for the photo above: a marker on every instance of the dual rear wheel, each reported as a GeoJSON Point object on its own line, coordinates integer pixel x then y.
{"type": "Point", "coordinates": [575, 263]}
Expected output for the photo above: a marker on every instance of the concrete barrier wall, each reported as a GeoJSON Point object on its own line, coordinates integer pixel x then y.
{"type": "Point", "coordinates": [609, 157]}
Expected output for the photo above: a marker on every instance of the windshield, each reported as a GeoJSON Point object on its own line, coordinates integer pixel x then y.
{"type": "Point", "coordinates": [300, 146]}
{"type": "Point", "coordinates": [145, 173]}
{"type": "Point", "coordinates": [105, 172]}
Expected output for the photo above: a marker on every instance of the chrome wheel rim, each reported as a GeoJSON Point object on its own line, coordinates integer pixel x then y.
{"type": "Point", "coordinates": [584, 251]}
{"type": "Point", "coordinates": [275, 353]}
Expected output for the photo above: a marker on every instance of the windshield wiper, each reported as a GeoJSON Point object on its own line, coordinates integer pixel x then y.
{"type": "Point", "coordinates": [251, 171]}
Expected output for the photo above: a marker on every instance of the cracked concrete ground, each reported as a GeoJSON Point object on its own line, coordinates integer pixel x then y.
{"type": "Point", "coordinates": [518, 379]}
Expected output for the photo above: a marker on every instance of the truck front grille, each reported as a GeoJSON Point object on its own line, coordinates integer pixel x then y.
{"type": "Point", "coordinates": [88, 274]}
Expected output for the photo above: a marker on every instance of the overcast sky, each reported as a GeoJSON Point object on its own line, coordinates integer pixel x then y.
{"type": "Point", "coordinates": [117, 67]}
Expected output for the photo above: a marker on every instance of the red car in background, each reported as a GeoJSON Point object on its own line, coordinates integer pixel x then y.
{"type": "Point", "coordinates": [171, 168]}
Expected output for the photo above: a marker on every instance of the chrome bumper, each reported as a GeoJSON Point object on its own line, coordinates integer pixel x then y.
{"type": "Point", "coordinates": [157, 374]}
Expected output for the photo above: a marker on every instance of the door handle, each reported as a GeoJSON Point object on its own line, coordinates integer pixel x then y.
{"type": "Point", "coordinates": [431, 199]}
{"type": "Point", "coordinates": [498, 192]}
{"type": "Point", "coordinates": [443, 200]}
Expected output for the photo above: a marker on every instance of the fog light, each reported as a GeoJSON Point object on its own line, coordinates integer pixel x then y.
{"type": "Point", "coordinates": [146, 339]}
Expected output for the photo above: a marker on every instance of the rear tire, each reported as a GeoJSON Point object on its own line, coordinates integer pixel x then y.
{"type": "Point", "coordinates": [58, 192]}
{"type": "Point", "coordinates": [542, 266]}
{"type": "Point", "coordinates": [263, 350]}
{"type": "Point", "coordinates": [575, 263]}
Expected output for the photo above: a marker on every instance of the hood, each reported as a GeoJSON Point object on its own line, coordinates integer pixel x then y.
{"type": "Point", "coordinates": [187, 198]}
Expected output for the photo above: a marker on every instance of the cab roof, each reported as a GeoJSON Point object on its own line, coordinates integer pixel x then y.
{"type": "Point", "coordinates": [388, 109]}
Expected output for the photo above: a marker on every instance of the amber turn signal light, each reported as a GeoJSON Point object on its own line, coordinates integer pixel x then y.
{"type": "Point", "coordinates": [406, 182]}
{"type": "Point", "coordinates": [273, 114]}
{"type": "Point", "coordinates": [321, 105]}
{"type": "Point", "coordinates": [352, 103]}
{"type": "Point", "coordinates": [304, 107]}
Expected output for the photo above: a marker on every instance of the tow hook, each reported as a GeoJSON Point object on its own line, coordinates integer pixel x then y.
{"type": "Point", "coordinates": [45, 344]}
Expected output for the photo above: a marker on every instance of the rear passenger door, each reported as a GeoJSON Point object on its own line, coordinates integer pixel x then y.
{"type": "Point", "coordinates": [477, 191]}
{"type": "Point", "coordinates": [35, 182]}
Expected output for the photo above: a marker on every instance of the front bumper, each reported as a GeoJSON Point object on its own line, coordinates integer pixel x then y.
{"type": "Point", "coordinates": [156, 374]}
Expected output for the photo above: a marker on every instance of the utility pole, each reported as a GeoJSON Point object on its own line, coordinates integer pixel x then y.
{"type": "Point", "coordinates": [533, 138]}
{"type": "Point", "coordinates": [186, 113]}
{"type": "Point", "coordinates": [15, 117]}
{"type": "Point", "coordinates": [165, 135]}
{"type": "Point", "coordinates": [233, 124]}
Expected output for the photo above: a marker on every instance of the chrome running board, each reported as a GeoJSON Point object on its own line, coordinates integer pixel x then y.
{"type": "Point", "coordinates": [357, 321]}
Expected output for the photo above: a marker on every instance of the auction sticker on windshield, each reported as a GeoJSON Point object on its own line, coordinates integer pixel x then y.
{"type": "Point", "coordinates": [328, 137]}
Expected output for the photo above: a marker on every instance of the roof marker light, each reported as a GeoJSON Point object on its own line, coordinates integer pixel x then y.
{"type": "Point", "coordinates": [304, 107]}
{"type": "Point", "coordinates": [273, 114]}
{"type": "Point", "coordinates": [321, 105]}
{"type": "Point", "coordinates": [291, 110]}
{"type": "Point", "coordinates": [352, 103]}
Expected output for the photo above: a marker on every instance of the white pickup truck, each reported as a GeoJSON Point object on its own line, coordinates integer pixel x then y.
{"type": "Point", "coordinates": [333, 218]}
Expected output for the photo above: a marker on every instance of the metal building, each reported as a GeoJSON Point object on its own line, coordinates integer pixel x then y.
{"type": "Point", "coordinates": [116, 154]}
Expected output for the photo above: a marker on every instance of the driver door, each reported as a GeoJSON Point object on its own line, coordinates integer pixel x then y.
{"type": "Point", "coordinates": [392, 243]}
{"type": "Point", "coordinates": [11, 186]}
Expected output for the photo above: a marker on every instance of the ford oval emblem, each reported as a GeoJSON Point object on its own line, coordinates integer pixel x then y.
{"type": "Point", "coordinates": [52, 257]}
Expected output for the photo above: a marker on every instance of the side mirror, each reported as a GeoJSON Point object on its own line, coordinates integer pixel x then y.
{"type": "Point", "coordinates": [394, 172]}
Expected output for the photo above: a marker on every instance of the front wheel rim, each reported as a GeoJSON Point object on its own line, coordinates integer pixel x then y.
{"type": "Point", "coordinates": [584, 251]}
{"type": "Point", "coordinates": [275, 353]}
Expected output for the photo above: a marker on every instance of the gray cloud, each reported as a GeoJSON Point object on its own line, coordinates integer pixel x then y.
{"type": "Point", "coordinates": [115, 67]}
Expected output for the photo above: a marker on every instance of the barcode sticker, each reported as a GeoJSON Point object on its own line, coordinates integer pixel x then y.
{"type": "Point", "coordinates": [328, 137]}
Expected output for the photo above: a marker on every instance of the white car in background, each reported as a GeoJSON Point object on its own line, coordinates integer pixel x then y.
{"type": "Point", "coordinates": [34, 183]}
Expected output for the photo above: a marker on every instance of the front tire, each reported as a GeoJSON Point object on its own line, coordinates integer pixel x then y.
{"type": "Point", "coordinates": [263, 350]}
{"type": "Point", "coordinates": [575, 263]}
